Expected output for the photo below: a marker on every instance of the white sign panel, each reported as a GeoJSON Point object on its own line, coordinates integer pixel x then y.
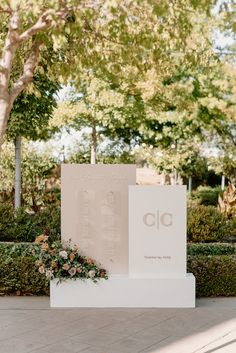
{"type": "Point", "coordinates": [95, 211]}
{"type": "Point", "coordinates": [157, 231]}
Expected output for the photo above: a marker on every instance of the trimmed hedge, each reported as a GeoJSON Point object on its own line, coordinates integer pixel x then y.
{"type": "Point", "coordinates": [215, 274]}
{"type": "Point", "coordinates": [214, 267]}
{"type": "Point", "coordinates": [195, 249]}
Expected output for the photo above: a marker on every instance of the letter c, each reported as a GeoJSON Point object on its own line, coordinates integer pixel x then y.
{"type": "Point", "coordinates": [149, 219]}
{"type": "Point", "coordinates": [166, 219]}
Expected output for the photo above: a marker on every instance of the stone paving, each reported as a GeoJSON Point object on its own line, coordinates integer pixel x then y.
{"type": "Point", "coordinates": [28, 325]}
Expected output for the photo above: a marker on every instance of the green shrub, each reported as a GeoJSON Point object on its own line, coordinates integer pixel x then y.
{"type": "Point", "coordinates": [215, 275]}
{"type": "Point", "coordinates": [18, 271]}
{"type": "Point", "coordinates": [15, 226]}
{"type": "Point", "coordinates": [24, 227]}
{"type": "Point", "coordinates": [6, 217]}
{"type": "Point", "coordinates": [206, 224]}
{"type": "Point", "coordinates": [205, 195]}
{"type": "Point", "coordinates": [195, 249]}
{"type": "Point", "coordinates": [232, 233]}
{"type": "Point", "coordinates": [48, 221]}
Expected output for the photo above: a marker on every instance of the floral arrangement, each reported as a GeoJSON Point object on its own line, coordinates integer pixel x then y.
{"type": "Point", "coordinates": [64, 260]}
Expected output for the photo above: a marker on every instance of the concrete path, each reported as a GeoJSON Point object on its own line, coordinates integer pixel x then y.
{"type": "Point", "coordinates": [28, 325]}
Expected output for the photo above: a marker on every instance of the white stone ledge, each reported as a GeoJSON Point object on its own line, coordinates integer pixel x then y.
{"type": "Point", "coordinates": [126, 292]}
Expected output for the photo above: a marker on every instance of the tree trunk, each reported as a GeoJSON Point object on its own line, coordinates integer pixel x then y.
{"type": "Point", "coordinates": [175, 177]}
{"type": "Point", "coordinates": [18, 172]}
{"type": "Point", "coordinates": [5, 108]}
{"type": "Point", "coordinates": [190, 184]}
{"type": "Point", "coordinates": [93, 145]}
{"type": "Point", "coordinates": [222, 182]}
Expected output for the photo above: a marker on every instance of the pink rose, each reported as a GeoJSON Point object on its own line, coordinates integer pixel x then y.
{"type": "Point", "coordinates": [66, 267]}
{"type": "Point", "coordinates": [72, 271]}
{"type": "Point", "coordinates": [41, 269]}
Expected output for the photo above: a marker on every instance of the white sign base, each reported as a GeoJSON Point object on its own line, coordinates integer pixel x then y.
{"type": "Point", "coordinates": [125, 292]}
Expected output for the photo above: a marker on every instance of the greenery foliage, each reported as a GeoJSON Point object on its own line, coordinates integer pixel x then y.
{"type": "Point", "coordinates": [32, 110]}
{"type": "Point", "coordinates": [205, 195]}
{"type": "Point", "coordinates": [215, 275]}
{"type": "Point", "coordinates": [206, 224]}
{"type": "Point", "coordinates": [107, 153]}
{"type": "Point", "coordinates": [20, 226]}
{"type": "Point", "coordinates": [40, 178]}
{"type": "Point", "coordinates": [18, 273]}
{"type": "Point", "coordinates": [195, 249]}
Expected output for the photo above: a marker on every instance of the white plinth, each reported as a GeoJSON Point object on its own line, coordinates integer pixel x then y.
{"type": "Point", "coordinates": [121, 291]}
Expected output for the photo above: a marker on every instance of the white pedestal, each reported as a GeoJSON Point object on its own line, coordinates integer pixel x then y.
{"type": "Point", "coordinates": [121, 291]}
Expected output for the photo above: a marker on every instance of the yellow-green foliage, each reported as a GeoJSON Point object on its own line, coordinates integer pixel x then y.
{"type": "Point", "coordinates": [215, 275]}
{"type": "Point", "coordinates": [207, 224]}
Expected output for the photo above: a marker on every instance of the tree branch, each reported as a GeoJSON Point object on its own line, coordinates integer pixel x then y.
{"type": "Point", "coordinates": [28, 71]}
{"type": "Point", "coordinates": [89, 29]}
{"type": "Point", "coordinates": [45, 21]}
{"type": "Point", "coordinates": [9, 49]}
{"type": "Point", "coordinates": [7, 10]}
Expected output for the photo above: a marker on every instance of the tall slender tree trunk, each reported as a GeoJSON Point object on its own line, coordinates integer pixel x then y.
{"type": "Point", "coordinates": [17, 172]}
{"type": "Point", "coordinates": [93, 158]}
{"type": "Point", "coordinates": [175, 177]}
{"type": "Point", "coordinates": [222, 182]}
{"type": "Point", "coordinates": [190, 184]}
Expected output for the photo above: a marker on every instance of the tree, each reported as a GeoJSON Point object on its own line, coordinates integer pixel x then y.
{"type": "Point", "coordinates": [33, 110]}
{"type": "Point", "coordinates": [176, 162]}
{"type": "Point", "coordinates": [21, 47]}
{"type": "Point", "coordinates": [102, 108]}
{"type": "Point", "coordinates": [29, 118]}
{"type": "Point", "coordinates": [225, 165]}
{"type": "Point", "coordinates": [37, 171]}
{"type": "Point", "coordinates": [93, 108]}
{"type": "Point", "coordinates": [122, 40]}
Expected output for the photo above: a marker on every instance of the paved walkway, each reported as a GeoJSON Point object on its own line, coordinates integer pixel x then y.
{"type": "Point", "coordinates": [28, 325]}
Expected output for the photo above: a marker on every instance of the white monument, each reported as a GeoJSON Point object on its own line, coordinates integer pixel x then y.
{"type": "Point", "coordinates": [157, 231]}
{"type": "Point", "coordinates": [95, 211]}
{"type": "Point", "coordinates": [146, 270]}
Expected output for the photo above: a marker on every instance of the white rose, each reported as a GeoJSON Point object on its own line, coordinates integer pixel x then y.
{"type": "Point", "coordinates": [49, 274]}
{"type": "Point", "coordinates": [92, 273]}
{"type": "Point", "coordinates": [63, 254]}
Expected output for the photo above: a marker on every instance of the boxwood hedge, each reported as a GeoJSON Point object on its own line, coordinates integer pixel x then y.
{"type": "Point", "coordinates": [215, 274]}
{"type": "Point", "coordinates": [195, 249]}
{"type": "Point", "coordinates": [213, 265]}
